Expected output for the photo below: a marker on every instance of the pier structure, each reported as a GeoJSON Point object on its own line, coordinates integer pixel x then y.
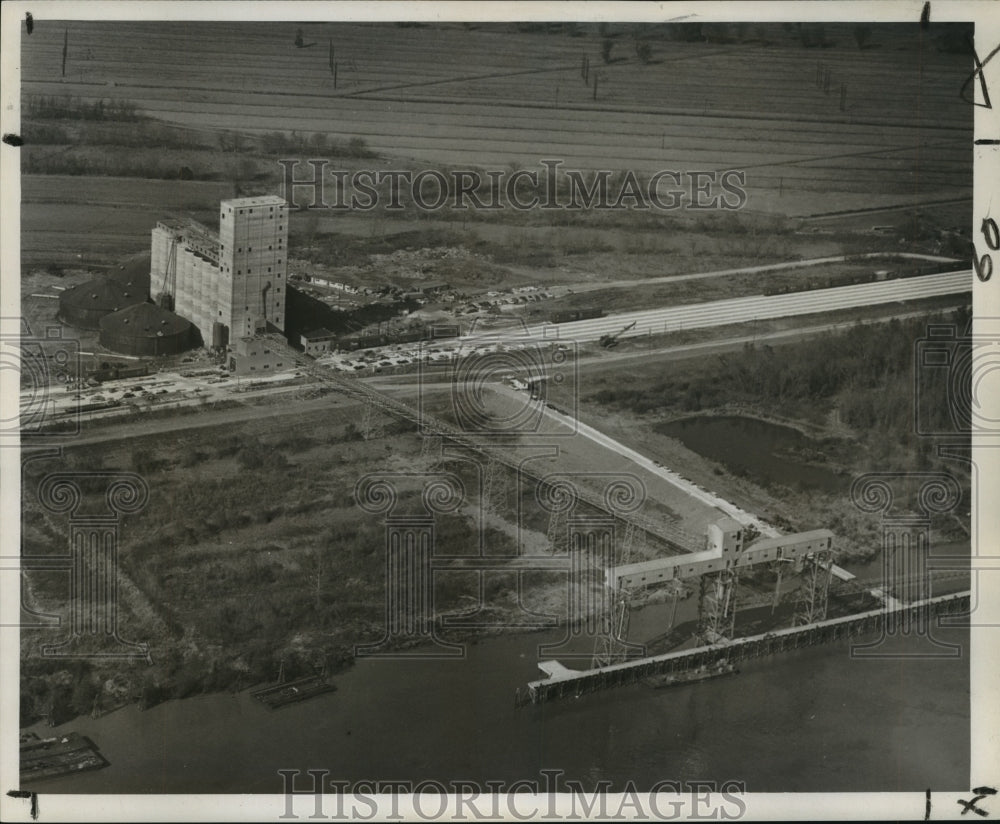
{"type": "Point", "coordinates": [718, 568]}
{"type": "Point", "coordinates": [562, 682]}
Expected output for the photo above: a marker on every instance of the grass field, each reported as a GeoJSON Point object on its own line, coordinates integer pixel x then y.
{"type": "Point", "coordinates": [489, 96]}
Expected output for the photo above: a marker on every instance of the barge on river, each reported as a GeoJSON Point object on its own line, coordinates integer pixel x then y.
{"type": "Point", "coordinates": [60, 755]}
{"type": "Point", "coordinates": [291, 692]}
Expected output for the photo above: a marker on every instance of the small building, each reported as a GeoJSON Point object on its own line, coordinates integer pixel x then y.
{"type": "Point", "coordinates": [318, 341]}
{"type": "Point", "coordinates": [256, 355]}
{"type": "Point", "coordinates": [146, 329]}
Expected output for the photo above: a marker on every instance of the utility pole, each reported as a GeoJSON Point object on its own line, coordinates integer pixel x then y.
{"type": "Point", "coordinates": [65, 50]}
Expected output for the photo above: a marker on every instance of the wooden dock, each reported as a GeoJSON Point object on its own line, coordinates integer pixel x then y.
{"type": "Point", "coordinates": [562, 682]}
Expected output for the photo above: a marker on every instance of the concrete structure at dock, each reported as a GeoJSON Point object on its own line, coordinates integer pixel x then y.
{"type": "Point", "coordinates": [725, 551]}
{"type": "Point", "coordinates": [718, 569]}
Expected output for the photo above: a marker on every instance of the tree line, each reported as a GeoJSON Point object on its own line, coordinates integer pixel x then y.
{"type": "Point", "coordinates": [868, 373]}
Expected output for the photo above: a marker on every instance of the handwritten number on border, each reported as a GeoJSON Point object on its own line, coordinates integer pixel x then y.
{"type": "Point", "coordinates": [984, 265]}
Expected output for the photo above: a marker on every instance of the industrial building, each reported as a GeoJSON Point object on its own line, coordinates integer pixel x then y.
{"type": "Point", "coordinates": [255, 355]}
{"type": "Point", "coordinates": [145, 329]}
{"type": "Point", "coordinates": [725, 551]}
{"type": "Point", "coordinates": [85, 304]}
{"type": "Point", "coordinates": [318, 341]}
{"type": "Point", "coordinates": [230, 284]}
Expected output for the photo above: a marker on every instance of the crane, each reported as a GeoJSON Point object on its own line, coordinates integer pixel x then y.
{"type": "Point", "coordinates": [610, 341]}
{"type": "Point", "coordinates": [168, 289]}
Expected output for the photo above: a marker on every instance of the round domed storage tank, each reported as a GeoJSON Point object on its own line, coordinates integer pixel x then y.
{"type": "Point", "coordinates": [133, 274]}
{"type": "Point", "coordinates": [146, 329]}
{"type": "Point", "coordinates": [85, 304]}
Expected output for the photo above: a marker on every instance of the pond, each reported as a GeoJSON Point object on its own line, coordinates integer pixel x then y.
{"type": "Point", "coordinates": [767, 453]}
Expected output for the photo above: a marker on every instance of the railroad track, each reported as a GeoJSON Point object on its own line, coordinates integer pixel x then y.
{"type": "Point", "coordinates": [753, 308]}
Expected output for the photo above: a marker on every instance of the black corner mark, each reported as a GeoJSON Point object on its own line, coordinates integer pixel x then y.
{"type": "Point", "coordinates": [983, 141]}
{"type": "Point", "coordinates": [927, 804]}
{"type": "Point", "coordinates": [978, 73]}
{"type": "Point", "coordinates": [984, 791]}
{"type": "Point", "coordinates": [29, 22]}
{"type": "Point", "coordinates": [13, 139]}
{"type": "Point", "coordinates": [925, 15]}
{"type": "Point", "coordinates": [26, 794]}
{"type": "Point", "coordinates": [971, 805]}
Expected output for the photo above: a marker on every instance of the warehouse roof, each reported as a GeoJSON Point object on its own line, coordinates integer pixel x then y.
{"type": "Point", "coordinates": [787, 540]}
{"type": "Point", "coordinates": [318, 334]}
{"type": "Point", "coordinates": [263, 200]}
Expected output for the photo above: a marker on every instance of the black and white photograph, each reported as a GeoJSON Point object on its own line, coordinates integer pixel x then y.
{"type": "Point", "coordinates": [443, 411]}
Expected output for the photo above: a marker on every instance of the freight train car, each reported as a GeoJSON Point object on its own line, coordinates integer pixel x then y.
{"type": "Point", "coordinates": [374, 341]}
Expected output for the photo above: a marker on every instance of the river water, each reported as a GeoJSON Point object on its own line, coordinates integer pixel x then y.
{"type": "Point", "coordinates": [812, 720]}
